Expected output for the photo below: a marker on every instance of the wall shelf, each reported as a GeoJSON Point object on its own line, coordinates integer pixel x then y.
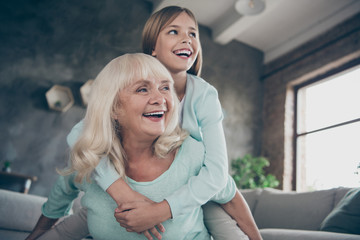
{"type": "Point", "coordinates": [85, 91]}
{"type": "Point", "coordinates": [16, 182]}
{"type": "Point", "coordinates": [59, 98]}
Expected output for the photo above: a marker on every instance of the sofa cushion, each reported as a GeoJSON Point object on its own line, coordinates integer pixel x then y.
{"type": "Point", "coordinates": [287, 234]}
{"type": "Point", "coordinates": [251, 196]}
{"type": "Point", "coordinates": [19, 211]}
{"type": "Point", "coordinates": [345, 218]}
{"type": "Point", "coordinates": [293, 210]}
{"type": "Point", "coordinates": [340, 193]}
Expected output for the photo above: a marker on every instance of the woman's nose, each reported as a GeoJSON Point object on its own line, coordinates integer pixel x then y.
{"type": "Point", "coordinates": [157, 98]}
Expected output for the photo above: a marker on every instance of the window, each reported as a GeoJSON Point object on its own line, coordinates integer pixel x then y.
{"type": "Point", "coordinates": [328, 132]}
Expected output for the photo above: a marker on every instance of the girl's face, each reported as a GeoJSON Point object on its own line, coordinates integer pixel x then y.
{"type": "Point", "coordinates": [145, 108]}
{"type": "Point", "coordinates": [177, 45]}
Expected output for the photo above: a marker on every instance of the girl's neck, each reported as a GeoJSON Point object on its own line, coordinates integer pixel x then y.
{"type": "Point", "coordinates": [180, 84]}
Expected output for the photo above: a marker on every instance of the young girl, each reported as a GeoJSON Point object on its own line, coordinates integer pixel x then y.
{"type": "Point", "coordinates": [171, 35]}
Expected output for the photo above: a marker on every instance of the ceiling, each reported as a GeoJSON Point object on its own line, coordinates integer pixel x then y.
{"type": "Point", "coordinates": [281, 27]}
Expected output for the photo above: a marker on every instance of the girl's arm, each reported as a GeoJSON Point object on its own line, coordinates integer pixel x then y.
{"type": "Point", "coordinates": [238, 209]}
{"type": "Point", "coordinates": [202, 117]}
{"type": "Point", "coordinates": [234, 204]}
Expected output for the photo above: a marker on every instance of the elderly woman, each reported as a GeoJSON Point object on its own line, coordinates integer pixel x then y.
{"type": "Point", "coordinates": [132, 118]}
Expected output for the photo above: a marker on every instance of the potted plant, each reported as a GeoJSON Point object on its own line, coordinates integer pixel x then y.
{"type": "Point", "coordinates": [248, 172]}
{"type": "Point", "coordinates": [7, 167]}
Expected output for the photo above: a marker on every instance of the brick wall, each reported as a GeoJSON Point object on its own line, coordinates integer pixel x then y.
{"type": "Point", "coordinates": [333, 49]}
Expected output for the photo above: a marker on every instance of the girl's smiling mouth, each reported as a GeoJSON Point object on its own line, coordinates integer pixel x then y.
{"type": "Point", "coordinates": [183, 53]}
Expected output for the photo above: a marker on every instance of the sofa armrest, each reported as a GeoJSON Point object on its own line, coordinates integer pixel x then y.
{"type": "Point", "coordinates": [19, 211]}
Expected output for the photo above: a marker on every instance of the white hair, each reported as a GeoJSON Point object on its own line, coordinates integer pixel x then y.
{"type": "Point", "coordinates": [99, 137]}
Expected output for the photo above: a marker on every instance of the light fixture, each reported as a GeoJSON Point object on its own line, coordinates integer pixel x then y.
{"type": "Point", "coordinates": [249, 7]}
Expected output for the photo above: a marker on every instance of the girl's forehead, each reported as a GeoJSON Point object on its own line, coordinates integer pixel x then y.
{"type": "Point", "coordinates": [179, 17]}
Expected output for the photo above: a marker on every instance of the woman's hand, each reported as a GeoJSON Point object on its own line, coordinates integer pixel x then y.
{"type": "Point", "coordinates": [43, 224]}
{"type": "Point", "coordinates": [143, 217]}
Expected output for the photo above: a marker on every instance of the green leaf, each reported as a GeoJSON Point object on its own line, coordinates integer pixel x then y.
{"type": "Point", "coordinates": [248, 172]}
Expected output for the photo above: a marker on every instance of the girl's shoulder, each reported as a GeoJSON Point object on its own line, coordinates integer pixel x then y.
{"type": "Point", "coordinates": [198, 86]}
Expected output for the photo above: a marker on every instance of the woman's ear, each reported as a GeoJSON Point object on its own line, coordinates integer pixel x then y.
{"type": "Point", "coordinates": [115, 110]}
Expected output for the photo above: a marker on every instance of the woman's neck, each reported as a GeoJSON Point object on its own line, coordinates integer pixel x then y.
{"type": "Point", "coordinates": [137, 150]}
{"type": "Point", "coordinates": [142, 164]}
{"type": "Point", "coordinates": [180, 84]}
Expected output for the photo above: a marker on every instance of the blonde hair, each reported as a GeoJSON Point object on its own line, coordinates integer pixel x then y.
{"type": "Point", "coordinates": [100, 135]}
{"type": "Point", "coordinates": [157, 22]}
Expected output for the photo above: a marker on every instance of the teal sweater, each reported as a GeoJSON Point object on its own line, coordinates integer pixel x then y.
{"type": "Point", "coordinates": [202, 117]}
{"type": "Point", "coordinates": [100, 206]}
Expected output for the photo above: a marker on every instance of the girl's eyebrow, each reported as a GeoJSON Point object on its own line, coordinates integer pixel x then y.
{"type": "Point", "coordinates": [177, 26]}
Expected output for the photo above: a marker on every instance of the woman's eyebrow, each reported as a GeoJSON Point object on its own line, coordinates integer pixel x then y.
{"type": "Point", "coordinates": [142, 81]}
{"type": "Point", "coordinates": [165, 81]}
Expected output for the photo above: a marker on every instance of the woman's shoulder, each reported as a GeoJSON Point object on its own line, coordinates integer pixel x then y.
{"type": "Point", "coordinates": [192, 147]}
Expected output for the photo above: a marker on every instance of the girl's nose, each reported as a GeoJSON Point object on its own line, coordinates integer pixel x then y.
{"type": "Point", "coordinates": [186, 39]}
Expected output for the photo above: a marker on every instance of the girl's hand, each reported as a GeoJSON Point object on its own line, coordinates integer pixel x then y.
{"type": "Point", "coordinates": [143, 216]}
{"type": "Point", "coordinates": [155, 232]}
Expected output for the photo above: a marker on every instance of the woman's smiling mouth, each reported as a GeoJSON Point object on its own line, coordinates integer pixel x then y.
{"type": "Point", "coordinates": [158, 114]}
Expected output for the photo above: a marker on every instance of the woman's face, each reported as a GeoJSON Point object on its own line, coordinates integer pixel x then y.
{"type": "Point", "coordinates": [177, 45]}
{"type": "Point", "coordinates": [145, 108]}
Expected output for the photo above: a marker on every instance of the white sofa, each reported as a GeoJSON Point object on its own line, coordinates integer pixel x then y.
{"type": "Point", "coordinates": [19, 213]}
{"type": "Point", "coordinates": [296, 216]}
{"type": "Point", "coordinates": [279, 215]}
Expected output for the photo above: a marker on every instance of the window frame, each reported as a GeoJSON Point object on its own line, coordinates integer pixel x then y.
{"type": "Point", "coordinates": [343, 68]}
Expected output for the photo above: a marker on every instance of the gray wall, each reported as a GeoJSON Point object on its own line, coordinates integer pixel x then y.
{"type": "Point", "coordinates": [68, 42]}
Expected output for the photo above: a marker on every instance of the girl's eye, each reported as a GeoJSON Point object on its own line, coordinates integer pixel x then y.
{"type": "Point", "coordinates": [173, 32]}
{"type": "Point", "coordinates": [193, 35]}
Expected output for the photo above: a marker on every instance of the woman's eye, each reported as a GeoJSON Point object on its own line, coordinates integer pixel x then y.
{"type": "Point", "coordinates": [173, 32]}
{"type": "Point", "coordinates": [166, 88]}
{"type": "Point", "coordinates": [141, 90]}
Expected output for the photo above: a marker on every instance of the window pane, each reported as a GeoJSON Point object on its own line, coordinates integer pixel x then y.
{"type": "Point", "coordinates": [328, 159]}
{"type": "Point", "coordinates": [329, 102]}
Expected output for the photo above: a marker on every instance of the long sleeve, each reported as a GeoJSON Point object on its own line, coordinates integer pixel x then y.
{"type": "Point", "coordinates": [203, 119]}
{"type": "Point", "coordinates": [105, 173]}
{"type": "Point", "coordinates": [227, 193]}
{"type": "Point", "coordinates": [61, 197]}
